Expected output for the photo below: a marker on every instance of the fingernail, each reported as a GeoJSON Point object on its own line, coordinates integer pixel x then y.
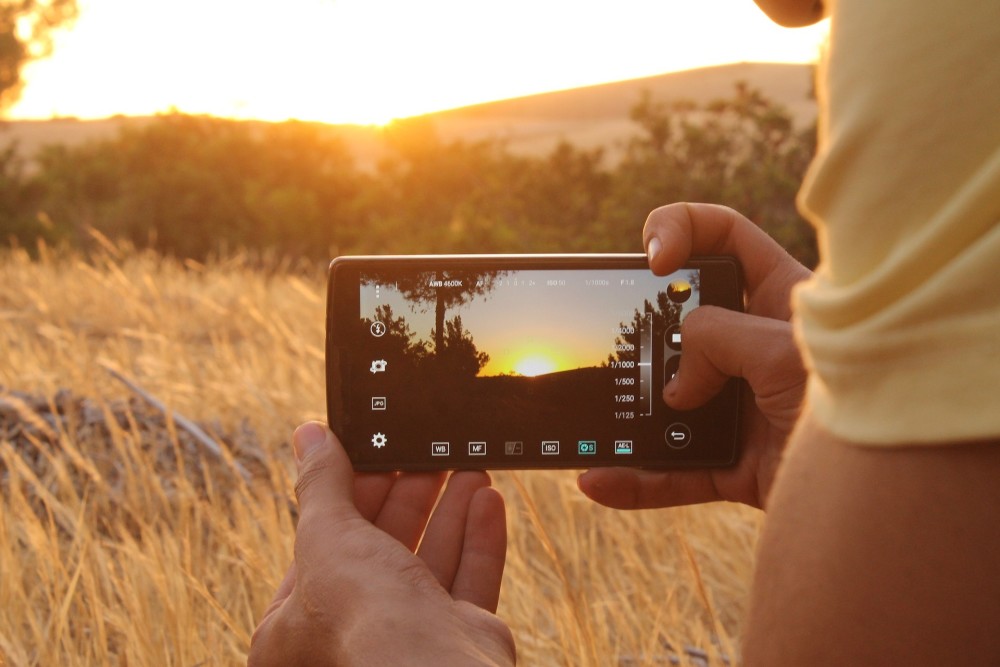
{"type": "Point", "coordinates": [653, 249]}
{"type": "Point", "coordinates": [671, 387]}
{"type": "Point", "coordinates": [306, 439]}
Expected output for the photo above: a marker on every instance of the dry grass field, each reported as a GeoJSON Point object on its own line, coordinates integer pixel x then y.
{"type": "Point", "coordinates": [124, 542]}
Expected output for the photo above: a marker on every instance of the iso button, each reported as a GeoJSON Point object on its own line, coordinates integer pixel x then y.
{"type": "Point", "coordinates": [678, 435]}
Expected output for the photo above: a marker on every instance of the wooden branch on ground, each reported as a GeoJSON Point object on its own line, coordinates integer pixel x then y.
{"type": "Point", "coordinates": [195, 431]}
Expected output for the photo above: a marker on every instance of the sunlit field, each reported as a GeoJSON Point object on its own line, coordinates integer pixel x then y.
{"type": "Point", "coordinates": [125, 540]}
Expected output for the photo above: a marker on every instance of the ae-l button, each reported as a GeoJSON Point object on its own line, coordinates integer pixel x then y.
{"type": "Point", "coordinates": [678, 435]}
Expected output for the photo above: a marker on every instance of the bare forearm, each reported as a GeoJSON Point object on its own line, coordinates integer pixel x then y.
{"type": "Point", "coordinates": [879, 556]}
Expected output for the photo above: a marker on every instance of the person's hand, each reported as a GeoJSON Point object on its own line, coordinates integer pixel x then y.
{"type": "Point", "coordinates": [718, 344]}
{"type": "Point", "coordinates": [357, 593]}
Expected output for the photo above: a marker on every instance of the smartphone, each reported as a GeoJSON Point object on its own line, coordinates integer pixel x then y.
{"type": "Point", "coordinates": [520, 362]}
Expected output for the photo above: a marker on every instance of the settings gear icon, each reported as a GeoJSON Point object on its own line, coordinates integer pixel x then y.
{"type": "Point", "coordinates": [379, 440]}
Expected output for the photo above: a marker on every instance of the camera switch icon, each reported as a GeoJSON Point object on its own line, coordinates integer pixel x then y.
{"type": "Point", "coordinates": [379, 365]}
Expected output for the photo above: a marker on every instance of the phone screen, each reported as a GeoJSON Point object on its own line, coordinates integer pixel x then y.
{"type": "Point", "coordinates": [521, 365]}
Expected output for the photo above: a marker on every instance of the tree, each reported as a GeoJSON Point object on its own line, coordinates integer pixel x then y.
{"type": "Point", "coordinates": [459, 358]}
{"type": "Point", "coordinates": [743, 151]}
{"type": "Point", "coordinates": [25, 34]}
{"type": "Point", "coordinates": [19, 196]}
{"type": "Point", "coordinates": [537, 204]}
{"type": "Point", "coordinates": [423, 186]}
{"type": "Point", "coordinates": [447, 289]}
{"type": "Point", "coordinates": [194, 185]}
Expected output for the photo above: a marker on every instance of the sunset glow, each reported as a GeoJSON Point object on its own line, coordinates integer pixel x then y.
{"type": "Point", "coordinates": [532, 366]}
{"type": "Point", "coordinates": [368, 61]}
{"type": "Point", "coordinates": [535, 358]}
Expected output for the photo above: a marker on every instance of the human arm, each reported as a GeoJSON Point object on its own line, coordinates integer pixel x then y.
{"type": "Point", "coordinates": [357, 594]}
{"type": "Point", "coordinates": [881, 544]}
{"type": "Point", "coordinates": [719, 344]}
{"type": "Point", "coordinates": [878, 555]}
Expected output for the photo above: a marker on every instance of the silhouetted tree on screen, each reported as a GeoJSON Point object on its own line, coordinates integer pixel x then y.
{"type": "Point", "coordinates": [446, 290]}
{"type": "Point", "coordinates": [459, 357]}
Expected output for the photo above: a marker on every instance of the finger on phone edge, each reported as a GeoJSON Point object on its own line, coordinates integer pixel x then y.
{"type": "Point", "coordinates": [484, 551]}
{"type": "Point", "coordinates": [441, 546]}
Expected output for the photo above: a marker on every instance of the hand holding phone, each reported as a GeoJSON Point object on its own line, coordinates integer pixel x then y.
{"type": "Point", "coordinates": [757, 346]}
{"type": "Point", "coordinates": [528, 361]}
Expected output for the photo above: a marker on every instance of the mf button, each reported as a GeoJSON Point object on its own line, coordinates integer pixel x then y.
{"type": "Point", "coordinates": [678, 435]}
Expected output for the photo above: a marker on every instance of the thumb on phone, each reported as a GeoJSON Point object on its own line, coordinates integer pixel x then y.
{"type": "Point", "coordinates": [325, 486]}
{"type": "Point", "coordinates": [720, 343]}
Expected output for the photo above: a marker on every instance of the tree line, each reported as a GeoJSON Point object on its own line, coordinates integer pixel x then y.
{"type": "Point", "coordinates": [195, 186]}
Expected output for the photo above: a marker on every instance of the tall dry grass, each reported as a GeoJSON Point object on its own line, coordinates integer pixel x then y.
{"type": "Point", "coordinates": [110, 557]}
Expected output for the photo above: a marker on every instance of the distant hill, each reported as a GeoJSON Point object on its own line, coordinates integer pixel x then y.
{"type": "Point", "coordinates": [586, 117]}
{"type": "Point", "coordinates": [599, 115]}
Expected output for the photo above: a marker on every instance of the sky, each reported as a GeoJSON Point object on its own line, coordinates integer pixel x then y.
{"type": "Point", "coordinates": [369, 61]}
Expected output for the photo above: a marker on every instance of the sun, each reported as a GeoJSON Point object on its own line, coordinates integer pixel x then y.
{"type": "Point", "coordinates": [535, 365]}
{"type": "Point", "coordinates": [527, 359]}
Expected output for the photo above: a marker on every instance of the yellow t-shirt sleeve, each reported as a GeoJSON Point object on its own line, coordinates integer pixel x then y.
{"type": "Point", "coordinates": [901, 323]}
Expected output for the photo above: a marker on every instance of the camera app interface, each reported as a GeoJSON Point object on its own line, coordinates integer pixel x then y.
{"type": "Point", "coordinates": [491, 368]}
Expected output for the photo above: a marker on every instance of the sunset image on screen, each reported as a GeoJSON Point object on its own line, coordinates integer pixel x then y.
{"type": "Point", "coordinates": [530, 323]}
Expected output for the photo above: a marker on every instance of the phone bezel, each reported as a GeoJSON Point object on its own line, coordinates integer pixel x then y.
{"type": "Point", "coordinates": [722, 286]}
